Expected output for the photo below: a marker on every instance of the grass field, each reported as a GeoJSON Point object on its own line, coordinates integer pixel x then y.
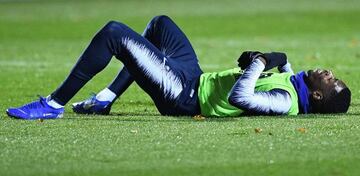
{"type": "Point", "coordinates": [41, 40]}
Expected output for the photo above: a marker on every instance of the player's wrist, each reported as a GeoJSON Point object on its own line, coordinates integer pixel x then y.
{"type": "Point", "coordinates": [262, 59]}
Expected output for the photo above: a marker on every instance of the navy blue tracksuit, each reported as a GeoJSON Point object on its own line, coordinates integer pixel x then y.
{"type": "Point", "coordinates": [161, 61]}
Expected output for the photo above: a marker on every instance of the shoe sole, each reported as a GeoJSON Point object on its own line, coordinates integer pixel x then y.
{"type": "Point", "coordinates": [12, 116]}
{"type": "Point", "coordinates": [15, 117]}
{"type": "Point", "coordinates": [106, 112]}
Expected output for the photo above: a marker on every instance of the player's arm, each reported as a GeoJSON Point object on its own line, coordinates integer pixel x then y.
{"type": "Point", "coordinates": [278, 59]}
{"type": "Point", "coordinates": [286, 68]}
{"type": "Point", "coordinates": [244, 96]}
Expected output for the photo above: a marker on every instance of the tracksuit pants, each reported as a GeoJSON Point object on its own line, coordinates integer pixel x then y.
{"type": "Point", "coordinates": [161, 61]}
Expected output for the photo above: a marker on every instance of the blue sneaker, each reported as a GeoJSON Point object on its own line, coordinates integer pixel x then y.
{"type": "Point", "coordinates": [92, 106]}
{"type": "Point", "coordinates": [35, 110]}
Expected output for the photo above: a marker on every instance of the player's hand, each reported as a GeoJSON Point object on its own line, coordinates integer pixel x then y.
{"type": "Point", "coordinates": [248, 56]}
{"type": "Point", "coordinates": [274, 59]}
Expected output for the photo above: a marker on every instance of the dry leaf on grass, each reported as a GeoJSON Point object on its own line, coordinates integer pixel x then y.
{"type": "Point", "coordinates": [199, 117]}
{"type": "Point", "coordinates": [302, 130]}
{"type": "Point", "coordinates": [258, 130]}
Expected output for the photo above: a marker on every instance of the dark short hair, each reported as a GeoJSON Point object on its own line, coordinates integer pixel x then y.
{"type": "Point", "coordinates": [337, 102]}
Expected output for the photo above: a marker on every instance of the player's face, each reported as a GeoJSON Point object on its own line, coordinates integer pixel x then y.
{"type": "Point", "coordinates": [324, 81]}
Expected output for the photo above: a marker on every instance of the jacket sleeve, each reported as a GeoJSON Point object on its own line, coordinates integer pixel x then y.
{"type": "Point", "coordinates": [244, 96]}
{"type": "Point", "coordinates": [286, 68]}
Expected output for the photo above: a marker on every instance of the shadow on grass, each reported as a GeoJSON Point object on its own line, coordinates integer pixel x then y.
{"type": "Point", "coordinates": [155, 116]}
{"type": "Point", "coordinates": [139, 117]}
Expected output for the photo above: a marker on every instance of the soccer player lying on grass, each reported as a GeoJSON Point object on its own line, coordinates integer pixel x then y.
{"type": "Point", "coordinates": [163, 63]}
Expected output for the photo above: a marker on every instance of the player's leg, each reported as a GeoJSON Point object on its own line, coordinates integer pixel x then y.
{"type": "Point", "coordinates": [145, 62]}
{"type": "Point", "coordinates": [173, 43]}
{"type": "Point", "coordinates": [95, 57]}
{"type": "Point", "coordinates": [162, 32]}
{"type": "Point", "coordinates": [170, 39]}
{"type": "Point", "coordinates": [122, 81]}
{"type": "Point", "coordinates": [101, 102]}
{"type": "Point", "coordinates": [161, 77]}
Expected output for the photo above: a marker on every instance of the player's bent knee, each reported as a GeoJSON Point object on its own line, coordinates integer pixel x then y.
{"type": "Point", "coordinates": [160, 18]}
{"type": "Point", "coordinates": [113, 26]}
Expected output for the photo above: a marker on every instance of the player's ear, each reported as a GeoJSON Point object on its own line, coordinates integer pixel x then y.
{"type": "Point", "coordinates": [317, 95]}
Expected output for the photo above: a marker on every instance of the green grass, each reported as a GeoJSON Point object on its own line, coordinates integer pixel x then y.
{"type": "Point", "coordinates": [41, 40]}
